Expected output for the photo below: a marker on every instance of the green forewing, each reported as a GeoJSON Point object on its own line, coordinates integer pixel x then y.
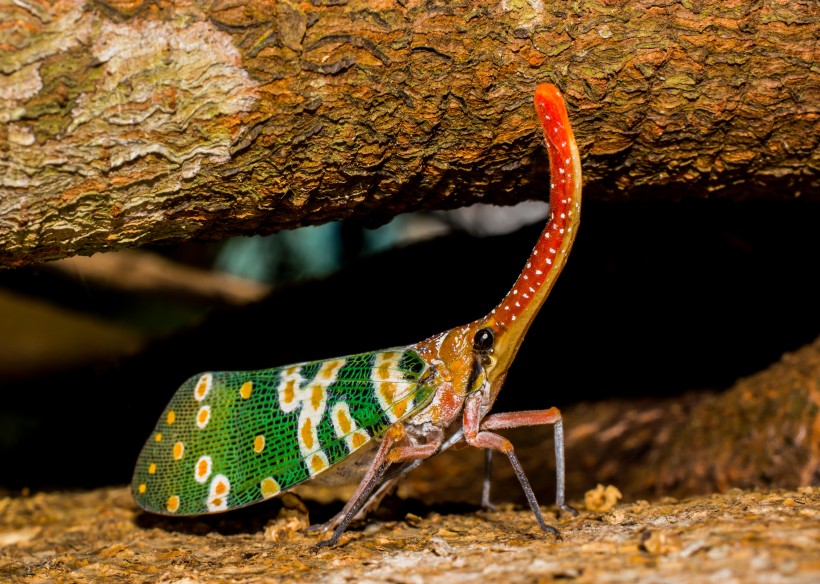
{"type": "Point", "coordinates": [232, 438]}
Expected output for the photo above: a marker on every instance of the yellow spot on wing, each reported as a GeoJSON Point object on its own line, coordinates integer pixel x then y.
{"type": "Point", "coordinates": [259, 444]}
{"type": "Point", "coordinates": [246, 389]}
{"type": "Point", "coordinates": [172, 416]}
{"type": "Point", "coordinates": [317, 396]}
{"type": "Point", "coordinates": [384, 363]}
{"type": "Point", "coordinates": [142, 488]}
{"type": "Point", "coordinates": [307, 434]}
{"type": "Point", "coordinates": [289, 391]}
{"type": "Point", "coordinates": [152, 468]}
{"type": "Point", "coordinates": [202, 468]}
{"type": "Point", "coordinates": [203, 416]}
{"type": "Point", "coordinates": [179, 448]}
{"type": "Point", "coordinates": [173, 503]}
{"type": "Point", "coordinates": [358, 439]}
{"type": "Point", "coordinates": [217, 499]}
{"type": "Point", "coordinates": [330, 369]}
{"type": "Point", "coordinates": [269, 487]}
{"type": "Point", "coordinates": [400, 408]}
{"type": "Point", "coordinates": [387, 391]}
{"type": "Point", "coordinates": [203, 386]}
{"type": "Point", "coordinates": [317, 463]}
{"type": "Point", "coordinates": [158, 437]}
{"type": "Point", "coordinates": [344, 421]}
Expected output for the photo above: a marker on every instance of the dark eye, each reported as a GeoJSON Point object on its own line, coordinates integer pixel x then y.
{"type": "Point", "coordinates": [483, 340]}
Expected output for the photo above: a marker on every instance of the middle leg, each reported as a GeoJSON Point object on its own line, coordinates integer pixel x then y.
{"type": "Point", "coordinates": [532, 418]}
{"type": "Point", "coordinates": [475, 436]}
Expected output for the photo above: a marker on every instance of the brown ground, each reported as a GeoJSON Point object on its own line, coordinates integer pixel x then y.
{"type": "Point", "coordinates": [739, 536]}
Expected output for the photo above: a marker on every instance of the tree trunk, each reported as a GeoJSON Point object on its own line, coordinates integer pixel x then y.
{"type": "Point", "coordinates": [124, 123]}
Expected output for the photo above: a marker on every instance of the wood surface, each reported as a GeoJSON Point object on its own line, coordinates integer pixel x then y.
{"type": "Point", "coordinates": [131, 122]}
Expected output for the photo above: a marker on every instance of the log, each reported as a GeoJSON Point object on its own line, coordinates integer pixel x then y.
{"type": "Point", "coordinates": [101, 536]}
{"type": "Point", "coordinates": [129, 122]}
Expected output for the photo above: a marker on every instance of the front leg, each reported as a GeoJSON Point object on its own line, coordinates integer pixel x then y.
{"type": "Point", "coordinates": [386, 487]}
{"type": "Point", "coordinates": [476, 436]}
{"type": "Point", "coordinates": [388, 453]}
{"type": "Point", "coordinates": [530, 418]}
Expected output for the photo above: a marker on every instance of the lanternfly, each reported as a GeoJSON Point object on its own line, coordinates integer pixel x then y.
{"type": "Point", "coordinates": [233, 438]}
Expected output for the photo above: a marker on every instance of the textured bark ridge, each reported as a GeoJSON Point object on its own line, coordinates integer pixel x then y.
{"type": "Point", "coordinates": [123, 123]}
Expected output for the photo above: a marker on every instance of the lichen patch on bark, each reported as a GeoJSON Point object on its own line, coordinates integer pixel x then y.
{"type": "Point", "coordinates": [163, 100]}
{"type": "Point", "coordinates": [21, 84]}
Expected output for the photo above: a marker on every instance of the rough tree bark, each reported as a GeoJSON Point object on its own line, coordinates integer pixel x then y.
{"type": "Point", "coordinates": [128, 122]}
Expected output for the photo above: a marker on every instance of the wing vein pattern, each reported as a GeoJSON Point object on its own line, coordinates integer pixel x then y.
{"type": "Point", "coordinates": [232, 438]}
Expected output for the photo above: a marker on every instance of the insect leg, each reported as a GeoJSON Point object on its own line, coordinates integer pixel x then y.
{"type": "Point", "coordinates": [387, 486]}
{"type": "Point", "coordinates": [367, 484]}
{"type": "Point", "coordinates": [417, 454]}
{"type": "Point", "coordinates": [379, 493]}
{"type": "Point", "coordinates": [376, 475]}
{"type": "Point", "coordinates": [538, 418]}
{"type": "Point", "coordinates": [385, 456]}
{"type": "Point", "coordinates": [485, 487]}
{"type": "Point", "coordinates": [457, 440]}
{"type": "Point", "coordinates": [484, 439]}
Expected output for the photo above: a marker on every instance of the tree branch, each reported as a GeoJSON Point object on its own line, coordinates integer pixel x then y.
{"type": "Point", "coordinates": [124, 123]}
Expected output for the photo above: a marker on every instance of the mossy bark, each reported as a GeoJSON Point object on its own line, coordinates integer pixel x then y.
{"type": "Point", "coordinates": [124, 123]}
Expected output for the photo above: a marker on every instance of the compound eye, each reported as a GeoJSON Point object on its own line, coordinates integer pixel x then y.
{"type": "Point", "coordinates": [483, 340]}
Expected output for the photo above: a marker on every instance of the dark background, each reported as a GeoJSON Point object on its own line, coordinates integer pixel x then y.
{"type": "Point", "coordinates": [657, 299]}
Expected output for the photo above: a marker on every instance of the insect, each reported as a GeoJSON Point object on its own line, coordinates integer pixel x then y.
{"type": "Point", "coordinates": [234, 438]}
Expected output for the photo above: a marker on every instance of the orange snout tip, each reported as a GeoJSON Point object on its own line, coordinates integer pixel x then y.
{"type": "Point", "coordinates": [548, 99]}
{"type": "Point", "coordinates": [547, 91]}
{"type": "Point", "coordinates": [552, 112]}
